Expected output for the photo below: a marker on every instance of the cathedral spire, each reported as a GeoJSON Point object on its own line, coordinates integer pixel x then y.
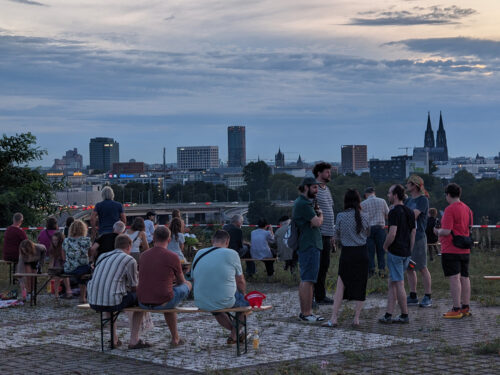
{"type": "Point", "coordinates": [429, 134]}
{"type": "Point", "coordinates": [441, 138]}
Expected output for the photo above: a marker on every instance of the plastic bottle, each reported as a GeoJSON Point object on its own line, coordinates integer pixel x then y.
{"type": "Point", "coordinates": [256, 340]}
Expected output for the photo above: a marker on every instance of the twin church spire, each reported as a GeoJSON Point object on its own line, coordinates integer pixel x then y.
{"type": "Point", "coordinates": [439, 149]}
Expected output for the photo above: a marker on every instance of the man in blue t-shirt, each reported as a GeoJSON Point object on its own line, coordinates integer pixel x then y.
{"type": "Point", "coordinates": [107, 212]}
{"type": "Point", "coordinates": [419, 204]}
{"type": "Point", "coordinates": [218, 281]}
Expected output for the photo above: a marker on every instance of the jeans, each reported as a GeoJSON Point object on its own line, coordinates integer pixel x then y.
{"type": "Point", "coordinates": [324, 264]}
{"type": "Point", "coordinates": [375, 243]}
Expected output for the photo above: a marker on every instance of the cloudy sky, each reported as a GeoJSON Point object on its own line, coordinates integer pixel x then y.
{"type": "Point", "coordinates": [303, 75]}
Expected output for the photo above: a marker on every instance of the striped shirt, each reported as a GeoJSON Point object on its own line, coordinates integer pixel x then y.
{"type": "Point", "coordinates": [325, 203]}
{"type": "Point", "coordinates": [376, 209]}
{"type": "Point", "coordinates": [115, 272]}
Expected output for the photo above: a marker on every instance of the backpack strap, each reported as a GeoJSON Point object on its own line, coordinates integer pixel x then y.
{"type": "Point", "coordinates": [201, 256]}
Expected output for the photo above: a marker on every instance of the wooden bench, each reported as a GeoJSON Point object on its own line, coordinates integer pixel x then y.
{"type": "Point", "coordinates": [257, 260]}
{"type": "Point", "coordinates": [492, 277]}
{"type": "Point", "coordinates": [237, 315]}
{"type": "Point", "coordinates": [11, 269]}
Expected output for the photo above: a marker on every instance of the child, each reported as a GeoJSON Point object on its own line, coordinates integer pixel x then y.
{"type": "Point", "coordinates": [56, 261]}
{"type": "Point", "coordinates": [29, 259]}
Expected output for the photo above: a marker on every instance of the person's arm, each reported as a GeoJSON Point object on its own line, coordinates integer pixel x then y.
{"type": "Point", "coordinates": [144, 241]}
{"type": "Point", "coordinates": [391, 235]}
{"type": "Point", "coordinates": [93, 250]}
{"type": "Point", "coordinates": [412, 237]}
{"type": "Point", "coordinates": [123, 218]}
{"type": "Point", "coordinates": [179, 275]}
{"type": "Point", "coordinates": [241, 284]}
{"type": "Point", "coordinates": [93, 220]}
{"type": "Point", "coordinates": [317, 221]}
{"type": "Point", "coordinates": [386, 210]}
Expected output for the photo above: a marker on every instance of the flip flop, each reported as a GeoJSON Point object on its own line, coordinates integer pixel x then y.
{"type": "Point", "coordinates": [182, 341]}
{"type": "Point", "coordinates": [329, 324]}
{"type": "Point", "coordinates": [140, 345]}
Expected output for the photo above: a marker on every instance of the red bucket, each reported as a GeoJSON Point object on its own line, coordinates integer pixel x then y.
{"type": "Point", "coordinates": [255, 298]}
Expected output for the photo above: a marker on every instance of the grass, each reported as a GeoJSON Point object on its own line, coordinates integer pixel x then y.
{"type": "Point", "coordinates": [487, 347]}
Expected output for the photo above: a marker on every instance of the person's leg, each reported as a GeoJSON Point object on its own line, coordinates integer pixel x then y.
{"type": "Point", "coordinates": [379, 243]}
{"type": "Point", "coordinates": [401, 296]}
{"type": "Point", "coordinates": [305, 297]}
{"type": "Point", "coordinates": [370, 244]}
{"type": "Point", "coordinates": [171, 320]}
{"type": "Point", "coordinates": [83, 293]}
{"type": "Point", "coordinates": [357, 312]}
{"type": "Point", "coordinates": [426, 280]}
{"type": "Point", "coordinates": [412, 280]}
{"type": "Point", "coordinates": [67, 285]}
{"type": "Point", "coordinates": [250, 271]}
{"type": "Point", "coordinates": [465, 290]}
{"type": "Point", "coordinates": [269, 267]}
{"type": "Point", "coordinates": [337, 300]}
{"type": "Point", "coordinates": [225, 322]}
{"type": "Point", "coordinates": [456, 290]}
{"type": "Point", "coordinates": [135, 327]}
{"type": "Point", "coordinates": [391, 296]}
{"type": "Point", "coordinates": [324, 264]}
{"type": "Point", "coordinates": [115, 334]}
{"type": "Point", "coordinates": [28, 281]}
{"type": "Point", "coordinates": [57, 283]}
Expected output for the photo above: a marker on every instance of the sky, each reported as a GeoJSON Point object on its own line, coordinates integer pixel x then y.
{"type": "Point", "coordinates": [306, 76]}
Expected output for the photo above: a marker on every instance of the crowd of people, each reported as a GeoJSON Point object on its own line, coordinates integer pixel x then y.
{"type": "Point", "coordinates": [142, 265]}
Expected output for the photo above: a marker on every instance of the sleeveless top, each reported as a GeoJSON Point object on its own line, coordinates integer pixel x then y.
{"type": "Point", "coordinates": [136, 241]}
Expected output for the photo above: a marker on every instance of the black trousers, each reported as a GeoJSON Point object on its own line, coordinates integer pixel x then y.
{"type": "Point", "coordinates": [324, 264]}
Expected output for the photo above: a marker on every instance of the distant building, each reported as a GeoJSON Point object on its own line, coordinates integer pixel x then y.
{"type": "Point", "coordinates": [71, 161]}
{"type": "Point", "coordinates": [393, 170]}
{"type": "Point", "coordinates": [198, 157]}
{"type": "Point", "coordinates": [438, 151]}
{"type": "Point", "coordinates": [279, 159]}
{"type": "Point", "coordinates": [497, 158]}
{"type": "Point", "coordinates": [236, 146]}
{"type": "Point", "coordinates": [103, 153]}
{"type": "Point", "coordinates": [300, 163]}
{"type": "Point", "coordinates": [128, 168]}
{"type": "Point", "coordinates": [354, 157]}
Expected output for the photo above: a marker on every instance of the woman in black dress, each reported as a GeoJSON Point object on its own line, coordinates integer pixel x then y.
{"type": "Point", "coordinates": [351, 229]}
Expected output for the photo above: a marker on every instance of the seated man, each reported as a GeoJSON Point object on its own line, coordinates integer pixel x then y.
{"type": "Point", "coordinates": [106, 242]}
{"type": "Point", "coordinates": [160, 269]}
{"type": "Point", "coordinates": [218, 281]}
{"type": "Point", "coordinates": [113, 286]}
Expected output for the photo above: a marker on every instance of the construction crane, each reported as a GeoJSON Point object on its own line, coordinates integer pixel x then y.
{"type": "Point", "coordinates": [404, 148]}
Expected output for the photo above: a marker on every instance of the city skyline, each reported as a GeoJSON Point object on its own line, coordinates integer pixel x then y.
{"type": "Point", "coordinates": [304, 76]}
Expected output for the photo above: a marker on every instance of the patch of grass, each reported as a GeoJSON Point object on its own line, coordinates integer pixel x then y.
{"type": "Point", "coordinates": [357, 356]}
{"type": "Point", "coordinates": [449, 349]}
{"type": "Point", "coordinates": [487, 347]}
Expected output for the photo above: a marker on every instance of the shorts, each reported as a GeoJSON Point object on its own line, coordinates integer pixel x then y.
{"type": "Point", "coordinates": [419, 253]}
{"type": "Point", "coordinates": [33, 265]}
{"type": "Point", "coordinates": [79, 271]}
{"type": "Point", "coordinates": [240, 301]}
{"type": "Point", "coordinates": [397, 266]}
{"type": "Point", "coordinates": [309, 264]}
{"type": "Point", "coordinates": [454, 264]}
{"type": "Point", "coordinates": [181, 292]}
{"type": "Point", "coordinates": [128, 300]}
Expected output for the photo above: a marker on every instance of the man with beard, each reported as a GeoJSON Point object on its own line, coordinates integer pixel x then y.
{"type": "Point", "coordinates": [322, 172]}
{"type": "Point", "coordinates": [308, 220]}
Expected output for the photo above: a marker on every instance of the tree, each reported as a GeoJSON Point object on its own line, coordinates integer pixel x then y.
{"type": "Point", "coordinates": [23, 189]}
{"type": "Point", "coordinates": [256, 175]}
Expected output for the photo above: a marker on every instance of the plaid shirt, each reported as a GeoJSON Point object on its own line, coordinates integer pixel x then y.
{"type": "Point", "coordinates": [376, 209]}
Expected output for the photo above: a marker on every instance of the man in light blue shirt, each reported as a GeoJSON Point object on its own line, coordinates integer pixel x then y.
{"type": "Point", "coordinates": [218, 280]}
{"type": "Point", "coordinates": [150, 226]}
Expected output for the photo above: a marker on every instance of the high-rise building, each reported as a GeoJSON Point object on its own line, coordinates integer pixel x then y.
{"type": "Point", "coordinates": [279, 159]}
{"type": "Point", "coordinates": [71, 161]}
{"type": "Point", "coordinates": [103, 153]}
{"type": "Point", "coordinates": [393, 170]}
{"type": "Point", "coordinates": [236, 146]}
{"type": "Point", "coordinates": [198, 157]}
{"type": "Point", "coordinates": [354, 158]}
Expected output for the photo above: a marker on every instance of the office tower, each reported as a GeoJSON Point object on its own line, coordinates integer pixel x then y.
{"type": "Point", "coordinates": [198, 157]}
{"type": "Point", "coordinates": [71, 161]}
{"type": "Point", "coordinates": [354, 157]}
{"type": "Point", "coordinates": [103, 153]}
{"type": "Point", "coordinates": [236, 146]}
{"type": "Point", "coordinates": [279, 159]}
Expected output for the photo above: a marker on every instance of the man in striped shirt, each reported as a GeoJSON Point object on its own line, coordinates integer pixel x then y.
{"type": "Point", "coordinates": [113, 287]}
{"type": "Point", "coordinates": [377, 211]}
{"type": "Point", "coordinates": [323, 172]}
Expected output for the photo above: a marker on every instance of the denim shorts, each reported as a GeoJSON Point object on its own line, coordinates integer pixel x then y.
{"type": "Point", "coordinates": [240, 301]}
{"type": "Point", "coordinates": [309, 264]}
{"type": "Point", "coordinates": [181, 292]}
{"type": "Point", "coordinates": [419, 253]}
{"type": "Point", "coordinates": [397, 266]}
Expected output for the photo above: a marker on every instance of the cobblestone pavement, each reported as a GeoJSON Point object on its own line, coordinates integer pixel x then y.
{"type": "Point", "coordinates": [57, 338]}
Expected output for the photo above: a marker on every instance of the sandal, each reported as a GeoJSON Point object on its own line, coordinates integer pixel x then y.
{"type": "Point", "coordinates": [231, 341]}
{"type": "Point", "coordinates": [140, 345]}
{"type": "Point", "coordinates": [182, 341]}
{"type": "Point", "coordinates": [329, 324]}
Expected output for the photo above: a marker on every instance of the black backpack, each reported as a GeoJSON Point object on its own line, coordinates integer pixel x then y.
{"type": "Point", "coordinates": [291, 239]}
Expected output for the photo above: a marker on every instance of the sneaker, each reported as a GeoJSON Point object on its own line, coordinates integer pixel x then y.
{"type": "Point", "coordinates": [466, 312]}
{"type": "Point", "coordinates": [411, 301]}
{"type": "Point", "coordinates": [426, 302]}
{"type": "Point", "coordinates": [453, 314]}
{"type": "Point", "coordinates": [325, 301]}
{"type": "Point", "coordinates": [310, 318]}
{"type": "Point", "coordinates": [385, 320]}
{"type": "Point", "coordinates": [401, 320]}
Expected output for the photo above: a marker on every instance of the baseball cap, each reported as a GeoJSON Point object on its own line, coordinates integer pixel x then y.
{"type": "Point", "coordinates": [418, 181]}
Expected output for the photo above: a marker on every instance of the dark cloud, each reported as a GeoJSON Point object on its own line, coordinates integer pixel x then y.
{"type": "Point", "coordinates": [169, 18]}
{"type": "Point", "coordinates": [434, 15]}
{"type": "Point", "coordinates": [28, 2]}
{"type": "Point", "coordinates": [459, 46]}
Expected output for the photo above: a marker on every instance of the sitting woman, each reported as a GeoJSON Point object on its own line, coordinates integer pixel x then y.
{"type": "Point", "coordinates": [260, 239]}
{"type": "Point", "coordinates": [76, 255]}
{"type": "Point", "coordinates": [30, 256]}
{"type": "Point", "coordinates": [177, 240]}
{"type": "Point", "coordinates": [137, 233]}
{"type": "Point", "coordinates": [351, 229]}
{"type": "Point", "coordinates": [56, 256]}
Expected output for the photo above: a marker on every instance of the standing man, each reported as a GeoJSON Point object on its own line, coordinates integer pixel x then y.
{"type": "Point", "coordinates": [323, 172]}
{"type": "Point", "coordinates": [377, 211]}
{"type": "Point", "coordinates": [236, 235]}
{"type": "Point", "coordinates": [308, 221]}
{"type": "Point", "coordinates": [13, 237]}
{"type": "Point", "coordinates": [107, 212]}
{"type": "Point", "coordinates": [160, 270]}
{"type": "Point", "coordinates": [150, 226]}
{"type": "Point", "coordinates": [419, 204]}
{"type": "Point", "coordinates": [398, 244]}
{"type": "Point", "coordinates": [457, 219]}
